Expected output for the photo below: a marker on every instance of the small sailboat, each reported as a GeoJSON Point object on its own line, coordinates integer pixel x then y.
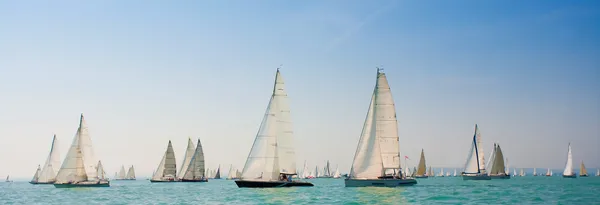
{"type": "Point", "coordinates": [195, 169]}
{"type": "Point", "coordinates": [336, 174]}
{"type": "Point", "coordinates": [100, 171]}
{"type": "Point", "coordinates": [231, 174]}
{"type": "Point", "coordinates": [79, 168]}
{"type": "Point", "coordinates": [598, 172]}
{"type": "Point", "coordinates": [582, 170]}
{"type": "Point", "coordinates": [377, 157]}
{"type": "Point", "coordinates": [189, 152]}
{"type": "Point", "coordinates": [47, 174]}
{"type": "Point", "coordinates": [551, 174]}
{"type": "Point", "coordinates": [271, 162]}
{"type": "Point", "coordinates": [522, 173]}
{"type": "Point", "coordinates": [218, 173]}
{"type": "Point", "coordinates": [498, 170]}
{"type": "Point", "coordinates": [167, 169]}
{"type": "Point", "coordinates": [130, 174]}
{"type": "Point", "coordinates": [305, 171]}
{"type": "Point", "coordinates": [326, 171]}
{"type": "Point", "coordinates": [36, 175]}
{"type": "Point", "coordinates": [514, 172]}
{"type": "Point", "coordinates": [430, 173]}
{"type": "Point", "coordinates": [122, 174]}
{"type": "Point", "coordinates": [548, 174]}
{"type": "Point", "coordinates": [568, 173]}
{"type": "Point", "coordinates": [441, 174]}
{"type": "Point", "coordinates": [422, 168]}
{"type": "Point", "coordinates": [454, 175]}
{"type": "Point", "coordinates": [475, 166]}
{"type": "Point", "coordinates": [8, 179]}
{"type": "Point", "coordinates": [534, 172]}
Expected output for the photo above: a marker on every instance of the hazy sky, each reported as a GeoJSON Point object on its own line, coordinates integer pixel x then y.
{"type": "Point", "coordinates": [145, 72]}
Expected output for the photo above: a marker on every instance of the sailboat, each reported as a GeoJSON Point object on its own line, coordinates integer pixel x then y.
{"type": "Point", "coordinates": [336, 174]}
{"type": "Point", "coordinates": [454, 175]}
{"type": "Point", "coordinates": [8, 179]}
{"type": "Point", "coordinates": [130, 174]}
{"type": "Point", "coordinates": [475, 166]}
{"type": "Point", "coordinates": [47, 175]}
{"type": "Point", "coordinates": [272, 159]}
{"type": "Point", "coordinates": [582, 170]}
{"type": "Point", "coordinates": [377, 157]}
{"type": "Point", "coordinates": [231, 173]}
{"type": "Point", "coordinates": [598, 172]}
{"type": "Point", "coordinates": [195, 169]}
{"type": "Point", "coordinates": [317, 173]}
{"type": "Point", "coordinates": [441, 174]}
{"type": "Point", "coordinates": [548, 174]}
{"type": "Point", "coordinates": [36, 176]}
{"type": "Point", "coordinates": [189, 152]}
{"type": "Point", "coordinates": [522, 173]}
{"type": "Point", "coordinates": [79, 168]}
{"type": "Point", "coordinates": [167, 169]}
{"type": "Point", "coordinates": [430, 173]}
{"type": "Point", "coordinates": [326, 171]}
{"type": "Point", "coordinates": [122, 174]}
{"type": "Point", "coordinates": [568, 173]}
{"type": "Point", "coordinates": [422, 169]}
{"type": "Point", "coordinates": [218, 173]}
{"type": "Point", "coordinates": [514, 172]}
{"type": "Point", "coordinates": [305, 171]}
{"type": "Point", "coordinates": [498, 171]}
{"type": "Point", "coordinates": [534, 172]}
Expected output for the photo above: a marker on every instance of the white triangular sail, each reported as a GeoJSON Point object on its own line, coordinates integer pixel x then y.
{"type": "Point", "coordinates": [36, 176]}
{"type": "Point", "coordinates": [122, 173]}
{"type": "Point", "coordinates": [231, 173]}
{"type": "Point", "coordinates": [498, 161]}
{"type": "Point", "coordinates": [336, 174]}
{"type": "Point", "coordinates": [548, 172]}
{"type": "Point", "coordinates": [100, 171]}
{"type": "Point", "coordinates": [454, 173]}
{"type": "Point", "coordinates": [189, 152]}
{"type": "Point", "coordinates": [522, 173]}
{"type": "Point", "coordinates": [305, 171]}
{"type": "Point", "coordinates": [490, 163]}
{"type": "Point", "coordinates": [167, 167]}
{"type": "Point", "coordinates": [130, 173]}
{"type": "Point", "coordinates": [52, 164]}
{"type": "Point", "coordinates": [378, 148]}
{"type": "Point", "coordinates": [534, 172]}
{"type": "Point", "coordinates": [326, 170]}
{"type": "Point", "coordinates": [285, 142]}
{"type": "Point", "coordinates": [195, 170]}
{"type": "Point", "coordinates": [79, 164]}
{"type": "Point", "coordinates": [473, 165]}
{"type": "Point", "coordinates": [569, 165]}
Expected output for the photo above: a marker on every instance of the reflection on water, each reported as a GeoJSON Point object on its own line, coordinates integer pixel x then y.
{"type": "Point", "coordinates": [380, 195]}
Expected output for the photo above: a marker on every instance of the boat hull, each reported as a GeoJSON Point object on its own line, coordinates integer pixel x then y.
{"type": "Point", "coordinates": [570, 176]}
{"type": "Point", "coordinates": [162, 181]}
{"type": "Point", "coordinates": [101, 184]}
{"type": "Point", "coordinates": [500, 176]}
{"type": "Point", "coordinates": [41, 182]}
{"type": "Point", "coordinates": [379, 182]}
{"type": "Point", "coordinates": [583, 175]}
{"type": "Point", "coordinates": [424, 176]}
{"type": "Point", "coordinates": [194, 180]}
{"type": "Point", "coordinates": [270, 184]}
{"type": "Point", "coordinates": [477, 177]}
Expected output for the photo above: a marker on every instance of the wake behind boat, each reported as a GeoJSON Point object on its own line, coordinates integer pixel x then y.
{"type": "Point", "coordinates": [79, 169]}
{"type": "Point", "coordinates": [167, 168]}
{"type": "Point", "coordinates": [475, 166]}
{"type": "Point", "coordinates": [377, 157]}
{"type": "Point", "coordinates": [271, 162]}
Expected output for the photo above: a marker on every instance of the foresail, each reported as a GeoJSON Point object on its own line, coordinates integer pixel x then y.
{"type": "Point", "coordinates": [285, 141]}
{"type": "Point", "coordinates": [582, 169]}
{"type": "Point", "coordinates": [471, 166]}
{"type": "Point", "coordinates": [170, 168]}
{"type": "Point", "coordinates": [52, 164]}
{"type": "Point", "coordinates": [367, 163]}
{"type": "Point", "coordinates": [386, 124]}
{"type": "Point", "coordinates": [490, 164]}
{"type": "Point", "coordinates": [262, 159]}
{"type": "Point", "coordinates": [479, 149]}
{"type": "Point", "coordinates": [89, 159]}
{"type": "Point", "coordinates": [36, 176]}
{"type": "Point", "coordinates": [498, 165]}
{"type": "Point", "coordinates": [189, 152]}
{"type": "Point", "coordinates": [196, 167]}
{"type": "Point", "coordinates": [100, 171]}
{"type": "Point", "coordinates": [158, 174]}
{"type": "Point", "coordinates": [422, 166]}
{"type": "Point", "coordinates": [69, 166]}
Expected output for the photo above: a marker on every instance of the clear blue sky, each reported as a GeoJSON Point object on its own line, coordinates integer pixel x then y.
{"type": "Point", "coordinates": [145, 72]}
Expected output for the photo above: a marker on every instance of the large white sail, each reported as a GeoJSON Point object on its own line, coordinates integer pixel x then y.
{"type": "Point", "coordinates": [569, 165]}
{"type": "Point", "coordinates": [490, 163]}
{"type": "Point", "coordinates": [378, 148]}
{"type": "Point", "coordinates": [52, 164]}
{"type": "Point", "coordinates": [130, 173]}
{"type": "Point", "coordinates": [89, 159]}
{"type": "Point", "coordinates": [336, 174]}
{"type": "Point", "coordinates": [480, 151]}
{"type": "Point", "coordinates": [78, 165]}
{"type": "Point", "coordinates": [498, 162]}
{"type": "Point", "coordinates": [122, 173]}
{"type": "Point", "coordinates": [195, 170]}
{"type": "Point", "coordinates": [285, 141]}
{"type": "Point", "coordinates": [472, 164]}
{"type": "Point", "coordinates": [167, 166]}
{"type": "Point", "coordinates": [189, 152]}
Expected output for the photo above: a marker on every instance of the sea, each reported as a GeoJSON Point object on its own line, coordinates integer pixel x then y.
{"type": "Point", "coordinates": [437, 190]}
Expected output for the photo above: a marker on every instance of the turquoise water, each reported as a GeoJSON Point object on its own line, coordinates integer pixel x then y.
{"type": "Point", "coordinates": [440, 190]}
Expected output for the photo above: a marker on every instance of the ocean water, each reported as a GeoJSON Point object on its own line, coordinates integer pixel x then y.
{"type": "Point", "coordinates": [439, 190]}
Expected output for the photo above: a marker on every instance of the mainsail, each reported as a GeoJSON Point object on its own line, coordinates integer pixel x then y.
{"type": "Point", "coordinates": [218, 173]}
{"type": "Point", "coordinates": [273, 152]}
{"type": "Point", "coordinates": [130, 173]}
{"type": "Point", "coordinates": [195, 170]}
{"type": "Point", "coordinates": [582, 170]}
{"type": "Point", "coordinates": [498, 161]}
{"type": "Point", "coordinates": [79, 164]}
{"type": "Point", "coordinates": [189, 152]}
{"type": "Point", "coordinates": [378, 148]}
{"type": "Point", "coordinates": [422, 166]}
{"type": "Point", "coordinates": [326, 171]}
{"type": "Point", "coordinates": [52, 164]}
{"type": "Point", "coordinates": [36, 176]}
{"type": "Point", "coordinates": [475, 160]}
{"type": "Point", "coordinates": [167, 167]}
{"type": "Point", "coordinates": [100, 171]}
{"type": "Point", "coordinates": [569, 165]}
{"type": "Point", "coordinates": [122, 173]}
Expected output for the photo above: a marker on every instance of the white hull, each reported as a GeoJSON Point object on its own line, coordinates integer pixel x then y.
{"type": "Point", "coordinates": [379, 182]}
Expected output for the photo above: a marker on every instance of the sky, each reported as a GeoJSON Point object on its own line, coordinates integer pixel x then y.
{"type": "Point", "coordinates": [144, 72]}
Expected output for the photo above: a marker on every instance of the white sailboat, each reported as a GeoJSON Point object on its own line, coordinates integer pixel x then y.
{"type": "Point", "coordinates": [231, 174]}
{"type": "Point", "coordinates": [167, 169]}
{"type": "Point", "coordinates": [272, 159]}
{"type": "Point", "coordinates": [475, 166]}
{"type": "Point", "coordinates": [336, 174]}
{"type": "Point", "coordinates": [189, 152]}
{"type": "Point", "coordinates": [441, 174]}
{"type": "Point", "coordinates": [597, 172]}
{"type": "Point", "coordinates": [377, 157]}
{"type": "Point", "coordinates": [79, 169]}
{"type": "Point", "coordinates": [36, 176]}
{"type": "Point", "coordinates": [326, 171]}
{"type": "Point", "coordinates": [122, 174]}
{"type": "Point", "coordinates": [130, 174]}
{"type": "Point", "coordinates": [8, 179]}
{"type": "Point", "coordinates": [305, 171]}
{"type": "Point", "coordinates": [522, 173]}
{"type": "Point", "coordinates": [47, 175]}
{"type": "Point", "coordinates": [498, 170]}
{"type": "Point", "coordinates": [568, 173]}
{"type": "Point", "coordinates": [195, 169]}
{"type": "Point", "coordinates": [454, 175]}
{"type": "Point", "coordinates": [100, 171]}
{"type": "Point", "coordinates": [548, 173]}
{"type": "Point", "coordinates": [534, 172]}
{"type": "Point", "coordinates": [514, 172]}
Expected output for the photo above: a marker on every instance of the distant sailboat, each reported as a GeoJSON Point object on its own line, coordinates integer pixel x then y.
{"type": "Point", "coordinates": [195, 169]}
{"type": "Point", "coordinates": [497, 170]}
{"type": "Point", "coordinates": [167, 168]}
{"type": "Point", "coordinates": [514, 172]}
{"type": "Point", "coordinates": [568, 173]}
{"type": "Point", "coordinates": [326, 171]}
{"type": "Point", "coordinates": [551, 174]}
{"type": "Point", "coordinates": [534, 172]}
{"type": "Point", "coordinates": [271, 162]}
{"type": "Point", "coordinates": [36, 176]}
{"type": "Point", "coordinates": [441, 174]}
{"type": "Point", "coordinates": [130, 174]}
{"type": "Point", "coordinates": [79, 169]}
{"type": "Point", "coordinates": [582, 170]}
{"type": "Point", "coordinates": [377, 157]}
{"type": "Point", "coordinates": [522, 173]}
{"type": "Point", "coordinates": [597, 172]}
{"type": "Point", "coordinates": [336, 175]}
{"type": "Point", "coordinates": [231, 174]}
{"type": "Point", "coordinates": [8, 179]}
{"type": "Point", "coordinates": [189, 152]}
{"type": "Point", "coordinates": [305, 171]}
{"type": "Point", "coordinates": [430, 173]}
{"type": "Point", "coordinates": [122, 174]}
{"type": "Point", "coordinates": [422, 168]}
{"type": "Point", "coordinates": [548, 173]}
{"type": "Point", "coordinates": [475, 166]}
{"type": "Point", "coordinates": [218, 173]}
{"type": "Point", "coordinates": [47, 174]}
{"type": "Point", "coordinates": [454, 175]}
{"type": "Point", "coordinates": [101, 173]}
